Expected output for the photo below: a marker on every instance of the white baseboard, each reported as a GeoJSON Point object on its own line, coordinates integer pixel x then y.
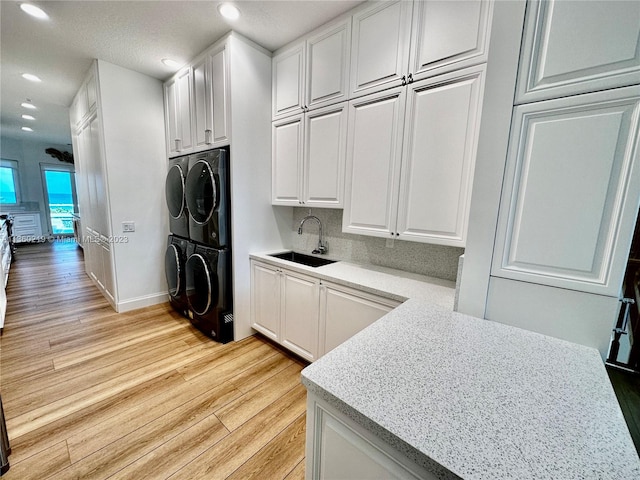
{"type": "Point", "coordinates": [141, 302]}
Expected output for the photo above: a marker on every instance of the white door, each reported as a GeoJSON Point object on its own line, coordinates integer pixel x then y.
{"type": "Point", "coordinates": [202, 105]}
{"type": "Point", "coordinates": [448, 35]}
{"type": "Point", "coordinates": [328, 65]}
{"type": "Point", "coordinates": [171, 115]}
{"type": "Point", "coordinates": [571, 192]}
{"type": "Point", "coordinates": [380, 46]}
{"type": "Point", "coordinates": [325, 151]}
{"type": "Point", "coordinates": [441, 134]}
{"type": "Point", "coordinates": [286, 161]}
{"type": "Point", "coordinates": [374, 148]}
{"type": "Point", "coordinates": [265, 300]}
{"type": "Point", "coordinates": [300, 305]}
{"type": "Point", "coordinates": [183, 103]}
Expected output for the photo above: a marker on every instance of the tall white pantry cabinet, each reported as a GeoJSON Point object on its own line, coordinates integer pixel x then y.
{"type": "Point", "coordinates": [571, 186]}
{"type": "Point", "coordinates": [118, 142]}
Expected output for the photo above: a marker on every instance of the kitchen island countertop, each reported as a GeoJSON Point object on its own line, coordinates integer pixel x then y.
{"type": "Point", "coordinates": [474, 399]}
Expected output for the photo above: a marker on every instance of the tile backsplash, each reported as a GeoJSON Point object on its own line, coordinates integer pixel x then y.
{"type": "Point", "coordinates": [426, 259]}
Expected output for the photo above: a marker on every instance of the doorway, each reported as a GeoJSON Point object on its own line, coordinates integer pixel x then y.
{"type": "Point", "coordinates": [60, 197]}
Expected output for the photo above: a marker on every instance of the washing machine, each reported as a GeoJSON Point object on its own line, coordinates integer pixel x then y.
{"type": "Point", "coordinates": [175, 259]}
{"type": "Point", "coordinates": [207, 195]}
{"type": "Point", "coordinates": [209, 294]}
{"type": "Point", "coordinates": [175, 196]}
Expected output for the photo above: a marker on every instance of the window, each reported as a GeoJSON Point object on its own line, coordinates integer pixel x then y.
{"type": "Point", "coordinates": [9, 185]}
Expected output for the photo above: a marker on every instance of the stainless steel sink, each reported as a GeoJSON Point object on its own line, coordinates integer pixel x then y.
{"type": "Point", "coordinates": [303, 259]}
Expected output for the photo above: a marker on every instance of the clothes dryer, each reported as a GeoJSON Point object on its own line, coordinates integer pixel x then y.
{"type": "Point", "coordinates": [175, 259]}
{"type": "Point", "coordinates": [208, 198]}
{"type": "Point", "coordinates": [209, 293]}
{"type": "Point", "coordinates": [175, 196]}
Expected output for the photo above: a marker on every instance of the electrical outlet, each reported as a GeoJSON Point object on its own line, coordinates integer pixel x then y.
{"type": "Point", "coordinates": [128, 227]}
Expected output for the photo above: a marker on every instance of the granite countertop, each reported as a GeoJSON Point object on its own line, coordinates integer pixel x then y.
{"type": "Point", "coordinates": [475, 399]}
{"type": "Point", "coordinates": [386, 282]}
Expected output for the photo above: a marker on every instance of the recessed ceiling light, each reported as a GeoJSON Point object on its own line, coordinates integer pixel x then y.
{"type": "Point", "coordinates": [34, 11]}
{"type": "Point", "coordinates": [28, 105]}
{"type": "Point", "coordinates": [31, 77]}
{"type": "Point", "coordinates": [229, 11]}
{"type": "Point", "coordinates": [27, 129]}
{"type": "Point", "coordinates": [170, 63]}
{"type": "Point", "coordinates": [28, 117]}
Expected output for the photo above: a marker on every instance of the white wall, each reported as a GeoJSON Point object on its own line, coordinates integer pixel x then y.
{"type": "Point", "coordinates": [134, 143]}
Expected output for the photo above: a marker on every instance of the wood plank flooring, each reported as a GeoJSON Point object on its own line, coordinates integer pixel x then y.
{"type": "Point", "coordinates": [92, 394]}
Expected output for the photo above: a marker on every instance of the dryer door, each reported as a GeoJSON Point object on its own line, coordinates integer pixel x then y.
{"type": "Point", "coordinates": [202, 187]}
{"type": "Point", "coordinates": [203, 293]}
{"type": "Point", "coordinates": [173, 270]}
{"type": "Point", "coordinates": [174, 191]}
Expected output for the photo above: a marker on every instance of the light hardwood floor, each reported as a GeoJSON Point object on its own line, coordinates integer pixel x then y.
{"type": "Point", "coordinates": [92, 394]}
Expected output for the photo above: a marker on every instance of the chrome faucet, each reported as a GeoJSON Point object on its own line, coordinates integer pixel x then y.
{"type": "Point", "coordinates": [322, 249]}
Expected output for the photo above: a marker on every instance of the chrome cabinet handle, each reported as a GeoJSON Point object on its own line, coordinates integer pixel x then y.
{"type": "Point", "coordinates": [207, 136]}
{"type": "Point", "coordinates": [410, 78]}
{"type": "Point", "coordinates": [177, 140]}
{"type": "Point", "coordinates": [404, 80]}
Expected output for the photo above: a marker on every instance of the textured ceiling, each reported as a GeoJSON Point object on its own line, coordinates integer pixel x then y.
{"type": "Point", "coordinates": [132, 34]}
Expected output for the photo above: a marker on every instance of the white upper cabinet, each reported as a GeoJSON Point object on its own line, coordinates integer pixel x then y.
{"type": "Point", "coordinates": [440, 139]}
{"type": "Point", "coordinates": [374, 148]}
{"type": "Point", "coordinates": [571, 192]}
{"type": "Point", "coordinates": [178, 103]}
{"type": "Point", "coordinates": [210, 106]}
{"type": "Point", "coordinates": [380, 46]}
{"type": "Point", "coordinates": [314, 72]}
{"type": "Point", "coordinates": [448, 35]}
{"type": "Point", "coordinates": [308, 158]}
{"type": "Point", "coordinates": [409, 174]}
{"type": "Point", "coordinates": [578, 47]}
{"type": "Point", "coordinates": [396, 43]}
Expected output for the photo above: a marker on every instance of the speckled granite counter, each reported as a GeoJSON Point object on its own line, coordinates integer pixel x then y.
{"type": "Point", "coordinates": [475, 399]}
{"type": "Point", "coordinates": [386, 282]}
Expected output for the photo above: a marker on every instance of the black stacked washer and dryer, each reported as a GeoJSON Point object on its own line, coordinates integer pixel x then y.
{"type": "Point", "coordinates": [198, 257]}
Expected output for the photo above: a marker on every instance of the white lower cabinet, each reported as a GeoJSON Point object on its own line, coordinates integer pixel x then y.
{"type": "Point", "coordinates": [345, 311]}
{"type": "Point", "coordinates": [307, 315]}
{"type": "Point", "coordinates": [284, 307]}
{"type": "Point", "coordinates": [338, 448]}
{"type": "Point", "coordinates": [26, 227]}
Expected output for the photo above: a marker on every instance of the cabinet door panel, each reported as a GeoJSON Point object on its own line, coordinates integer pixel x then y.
{"type": "Point", "coordinates": [171, 115]}
{"type": "Point", "coordinates": [201, 102]}
{"type": "Point", "coordinates": [265, 300]}
{"type": "Point", "coordinates": [577, 47]}
{"type": "Point", "coordinates": [448, 35]}
{"type": "Point", "coordinates": [183, 83]}
{"type": "Point", "coordinates": [220, 98]}
{"type": "Point", "coordinates": [286, 160]}
{"type": "Point", "coordinates": [345, 312]}
{"type": "Point", "coordinates": [300, 305]}
{"type": "Point", "coordinates": [328, 65]}
{"type": "Point", "coordinates": [571, 192]}
{"type": "Point", "coordinates": [441, 132]}
{"type": "Point", "coordinates": [326, 145]}
{"type": "Point", "coordinates": [288, 82]}
{"type": "Point", "coordinates": [380, 46]}
{"type": "Point", "coordinates": [374, 146]}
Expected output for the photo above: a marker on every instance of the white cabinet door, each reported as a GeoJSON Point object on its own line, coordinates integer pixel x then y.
{"type": "Point", "coordinates": [100, 207]}
{"type": "Point", "coordinates": [107, 281]}
{"type": "Point", "coordinates": [571, 192]}
{"type": "Point", "coordinates": [578, 47]}
{"type": "Point", "coordinates": [178, 103]}
{"type": "Point", "coordinates": [286, 161]}
{"type": "Point", "coordinates": [328, 65]}
{"type": "Point", "coordinates": [265, 300]}
{"type": "Point", "coordinates": [289, 81]}
{"type": "Point", "coordinates": [380, 46]}
{"type": "Point", "coordinates": [448, 35]}
{"type": "Point", "coordinates": [299, 314]}
{"type": "Point", "coordinates": [374, 148]}
{"type": "Point", "coordinates": [324, 156]}
{"type": "Point", "coordinates": [339, 448]}
{"type": "Point", "coordinates": [210, 100]}
{"type": "Point", "coordinates": [440, 139]}
{"type": "Point", "coordinates": [345, 311]}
